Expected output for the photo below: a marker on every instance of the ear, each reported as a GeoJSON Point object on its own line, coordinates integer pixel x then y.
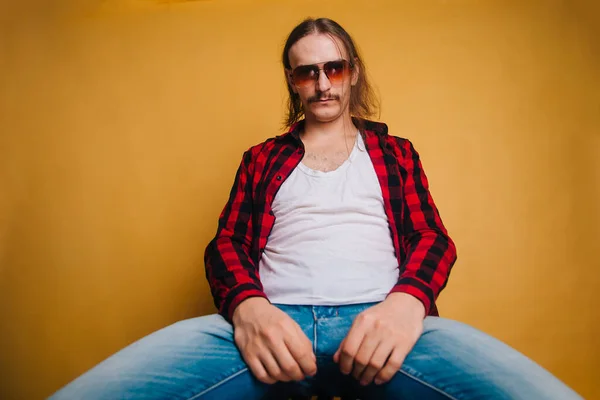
{"type": "Point", "coordinates": [355, 72]}
{"type": "Point", "coordinates": [288, 78]}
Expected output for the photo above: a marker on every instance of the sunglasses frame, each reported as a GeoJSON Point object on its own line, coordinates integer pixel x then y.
{"type": "Point", "coordinates": [320, 67]}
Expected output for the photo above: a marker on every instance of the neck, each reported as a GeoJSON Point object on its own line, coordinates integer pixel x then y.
{"type": "Point", "coordinates": [338, 128]}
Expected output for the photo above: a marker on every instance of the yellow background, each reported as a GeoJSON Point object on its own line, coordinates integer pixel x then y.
{"type": "Point", "coordinates": [122, 123]}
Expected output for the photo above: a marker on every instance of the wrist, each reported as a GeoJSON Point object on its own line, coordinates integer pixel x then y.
{"type": "Point", "coordinates": [406, 301]}
{"type": "Point", "coordinates": [246, 305]}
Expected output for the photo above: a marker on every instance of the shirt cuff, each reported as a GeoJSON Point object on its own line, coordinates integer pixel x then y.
{"type": "Point", "coordinates": [236, 296]}
{"type": "Point", "coordinates": [418, 289]}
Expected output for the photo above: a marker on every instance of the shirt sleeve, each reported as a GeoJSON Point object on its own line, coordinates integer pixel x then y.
{"type": "Point", "coordinates": [232, 274]}
{"type": "Point", "coordinates": [429, 251]}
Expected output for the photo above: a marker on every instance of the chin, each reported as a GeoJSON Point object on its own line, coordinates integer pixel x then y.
{"type": "Point", "coordinates": [326, 115]}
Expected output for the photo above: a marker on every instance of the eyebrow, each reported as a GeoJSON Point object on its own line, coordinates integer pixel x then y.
{"type": "Point", "coordinates": [322, 62]}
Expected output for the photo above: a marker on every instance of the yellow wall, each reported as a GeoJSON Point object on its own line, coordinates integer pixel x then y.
{"type": "Point", "coordinates": [122, 124]}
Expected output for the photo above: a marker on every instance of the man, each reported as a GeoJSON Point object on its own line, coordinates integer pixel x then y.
{"type": "Point", "coordinates": [325, 268]}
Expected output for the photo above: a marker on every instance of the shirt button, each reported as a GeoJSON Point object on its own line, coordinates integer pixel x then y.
{"type": "Point", "coordinates": [279, 177]}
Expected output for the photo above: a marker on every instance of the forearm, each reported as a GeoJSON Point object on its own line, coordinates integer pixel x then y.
{"type": "Point", "coordinates": [424, 273]}
{"type": "Point", "coordinates": [231, 269]}
{"type": "Point", "coordinates": [428, 252]}
{"type": "Point", "coordinates": [231, 274]}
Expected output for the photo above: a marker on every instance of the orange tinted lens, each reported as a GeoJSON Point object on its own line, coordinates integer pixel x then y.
{"type": "Point", "coordinates": [305, 75]}
{"type": "Point", "coordinates": [336, 71]}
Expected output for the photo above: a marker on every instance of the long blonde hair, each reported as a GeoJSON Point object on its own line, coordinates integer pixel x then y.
{"type": "Point", "coordinates": [363, 102]}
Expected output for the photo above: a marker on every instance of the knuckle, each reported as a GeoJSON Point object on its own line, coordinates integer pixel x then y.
{"type": "Point", "coordinates": [375, 365]}
{"type": "Point", "coordinates": [387, 373]}
{"type": "Point", "coordinates": [270, 334]}
{"type": "Point", "coordinates": [384, 327]}
{"type": "Point", "coordinates": [393, 365]}
{"type": "Point", "coordinates": [362, 318]}
{"type": "Point", "coordinates": [346, 366]}
{"type": "Point", "coordinates": [263, 377]}
{"type": "Point", "coordinates": [287, 327]}
{"type": "Point", "coordinates": [385, 376]}
{"type": "Point", "coordinates": [252, 351]}
{"type": "Point", "coordinates": [282, 324]}
{"type": "Point", "coordinates": [302, 353]}
{"type": "Point", "coordinates": [361, 361]}
{"type": "Point", "coordinates": [283, 377]}
{"type": "Point", "coordinates": [347, 352]}
{"type": "Point", "coordinates": [290, 370]}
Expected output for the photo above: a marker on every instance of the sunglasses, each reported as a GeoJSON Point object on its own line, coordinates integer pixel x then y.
{"type": "Point", "coordinates": [336, 71]}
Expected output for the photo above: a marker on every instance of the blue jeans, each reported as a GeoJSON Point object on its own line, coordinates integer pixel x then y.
{"type": "Point", "coordinates": [197, 359]}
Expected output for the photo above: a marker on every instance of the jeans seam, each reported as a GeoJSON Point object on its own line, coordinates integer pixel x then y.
{"type": "Point", "coordinates": [314, 330]}
{"type": "Point", "coordinates": [217, 384]}
{"type": "Point", "coordinates": [428, 385]}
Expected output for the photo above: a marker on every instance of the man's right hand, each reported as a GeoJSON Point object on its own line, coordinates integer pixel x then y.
{"type": "Point", "coordinates": [272, 344]}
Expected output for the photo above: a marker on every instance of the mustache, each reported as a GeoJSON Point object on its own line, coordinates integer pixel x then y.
{"type": "Point", "coordinates": [319, 97]}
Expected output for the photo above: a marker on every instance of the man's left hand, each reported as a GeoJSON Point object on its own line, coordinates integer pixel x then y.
{"type": "Point", "coordinates": [380, 338]}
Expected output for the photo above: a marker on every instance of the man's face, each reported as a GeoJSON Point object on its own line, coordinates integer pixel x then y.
{"type": "Point", "coordinates": [323, 100]}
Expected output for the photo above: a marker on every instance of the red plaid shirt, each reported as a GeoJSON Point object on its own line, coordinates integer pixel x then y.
{"type": "Point", "coordinates": [423, 248]}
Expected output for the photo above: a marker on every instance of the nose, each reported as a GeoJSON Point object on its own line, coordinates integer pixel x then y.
{"type": "Point", "coordinates": [323, 83]}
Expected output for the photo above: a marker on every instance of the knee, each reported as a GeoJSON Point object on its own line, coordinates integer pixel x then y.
{"type": "Point", "coordinates": [448, 334]}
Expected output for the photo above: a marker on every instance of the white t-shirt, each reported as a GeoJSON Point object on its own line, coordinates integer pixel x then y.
{"type": "Point", "coordinates": [331, 242]}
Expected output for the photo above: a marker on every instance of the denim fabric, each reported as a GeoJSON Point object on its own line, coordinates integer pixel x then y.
{"type": "Point", "coordinates": [197, 359]}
